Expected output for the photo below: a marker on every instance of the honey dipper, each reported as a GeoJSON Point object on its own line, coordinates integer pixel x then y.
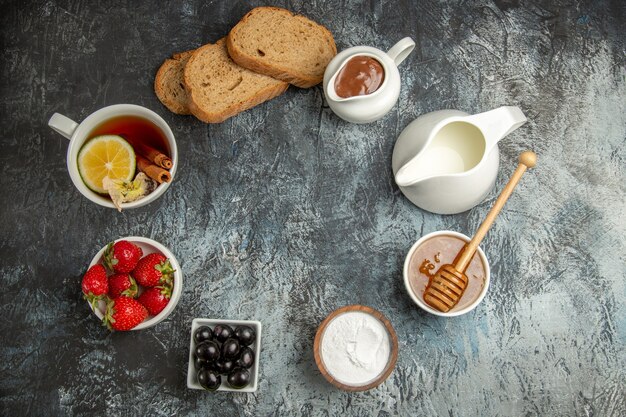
{"type": "Point", "coordinates": [447, 286]}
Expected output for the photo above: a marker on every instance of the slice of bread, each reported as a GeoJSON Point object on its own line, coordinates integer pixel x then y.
{"type": "Point", "coordinates": [218, 88]}
{"type": "Point", "coordinates": [168, 84]}
{"type": "Point", "coordinates": [283, 45]}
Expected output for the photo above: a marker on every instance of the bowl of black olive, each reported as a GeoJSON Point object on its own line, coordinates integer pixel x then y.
{"type": "Point", "coordinates": [224, 355]}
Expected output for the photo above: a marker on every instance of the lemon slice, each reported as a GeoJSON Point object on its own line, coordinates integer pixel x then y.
{"type": "Point", "coordinates": [106, 156]}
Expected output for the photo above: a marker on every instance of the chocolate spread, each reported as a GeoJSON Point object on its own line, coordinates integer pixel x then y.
{"type": "Point", "coordinates": [360, 76]}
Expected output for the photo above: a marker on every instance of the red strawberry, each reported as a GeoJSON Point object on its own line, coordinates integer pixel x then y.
{"type": "Point", "coordinates": [153, 269]}
{"type": "Point", "coordinates": [156, 298]}
{"type": "Point", "coordinates": [122, 256]}
{"type": "Point", "coordinates": [124, 313]}
{"type": "Point", "coordinates": [95, 284]}
{"type": "Point", "coordinates": [122, 284]}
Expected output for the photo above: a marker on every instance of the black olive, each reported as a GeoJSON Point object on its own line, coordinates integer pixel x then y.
{"type": "Point", "coordinates": [200, 363]}
{"type": "Point", "coordinates": [246, 357]}
{"type": "Point", "coordinates": [223, 366]}
{"type": "Point", "coordinates": [209, 380]}
{"type": "Point", "coordinates": [208, 351]}
{"type": "Point", "coordinates": [221, 332]}
{"type": "Point", "coordinates": [239, 378]}
{"type": "Point", "coordinates": [202, 333]}
{"type": "Point", "coordinates": [245, 335]}
{"type": "Point", "coordinates": [230, 349]}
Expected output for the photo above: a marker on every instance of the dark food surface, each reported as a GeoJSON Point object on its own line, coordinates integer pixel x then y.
{"type": "Point", "coordinates": [285, 213]}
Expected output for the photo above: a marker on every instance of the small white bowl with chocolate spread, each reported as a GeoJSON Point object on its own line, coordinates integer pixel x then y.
{"type": "Point", "coordinates": [431, 252]}
{"type": "Point", "coordinates": [362, 84]}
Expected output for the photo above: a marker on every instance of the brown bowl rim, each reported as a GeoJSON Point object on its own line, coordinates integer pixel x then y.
{"type": "Point", "coordinates": [391, 364]}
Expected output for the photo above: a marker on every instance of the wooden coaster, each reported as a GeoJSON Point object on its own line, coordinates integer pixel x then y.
{"type": "Point", "coordinates": [392, 357]}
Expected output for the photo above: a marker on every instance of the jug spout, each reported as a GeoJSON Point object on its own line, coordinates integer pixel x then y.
{"type": "Point", "coordinates": [410, 173]}
{"type": "Point", "coordinates": [496, 124]}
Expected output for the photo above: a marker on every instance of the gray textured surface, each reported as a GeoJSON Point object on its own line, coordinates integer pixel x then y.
{"type": "Point", "coordinates": [284, 213]}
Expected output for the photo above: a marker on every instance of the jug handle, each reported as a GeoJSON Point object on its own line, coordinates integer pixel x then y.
{"type": "Point", "coordinates": [401, 50]}
{"type": "Point", "coordinates": [496, 124]}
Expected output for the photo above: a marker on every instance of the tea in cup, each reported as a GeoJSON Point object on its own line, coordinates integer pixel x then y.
{"type": "Point", "coordinates": [121, 156]}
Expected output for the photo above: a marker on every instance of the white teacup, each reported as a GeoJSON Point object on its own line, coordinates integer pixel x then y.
{"type": "Point", "coordinates": [78, 134]}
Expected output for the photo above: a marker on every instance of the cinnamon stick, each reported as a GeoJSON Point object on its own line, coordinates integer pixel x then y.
{"type": "Point", "coordinates": [157, 157]}
{"type": "Point", "coordinates": [154, 155]}
{"type": "Point", "coordinates": [157, 173]}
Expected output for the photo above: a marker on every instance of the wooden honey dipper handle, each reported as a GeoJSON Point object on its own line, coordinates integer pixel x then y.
{"type": "Point", "coordinates": [527, 159]}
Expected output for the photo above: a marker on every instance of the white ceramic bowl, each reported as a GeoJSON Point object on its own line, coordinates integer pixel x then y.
{"type": "Point", "coordinates": [192, 381]}
{"type": "Point", "coordinates": [419, 300]}
{"type": "Point", "coordinates": [148, 246]}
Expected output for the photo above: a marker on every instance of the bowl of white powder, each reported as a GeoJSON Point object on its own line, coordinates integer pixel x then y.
{"type": "Point", "coordinates": [355, 348]}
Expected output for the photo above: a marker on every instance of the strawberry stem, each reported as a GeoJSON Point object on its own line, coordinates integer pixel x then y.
{"type": "Point", "coordinates": [167, 272]}
{"type": "Point", "coordinates": [166, 290]}
{"type": "Point", "coordinates": [109, 259]}
{"type": "Point", "coordinates": [107, 318]}
{"type": "Point", "coordinates": [92, 299]}
{"type": "Point", "coordinates": [131, 291]}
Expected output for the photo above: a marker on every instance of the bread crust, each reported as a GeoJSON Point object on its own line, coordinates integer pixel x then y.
{"type": "Point", "coordinates": [173, 104]}
{"type": "Point", "coordinates": [207, 116]}
{"type": "Point", "coordinates": [281, 72]}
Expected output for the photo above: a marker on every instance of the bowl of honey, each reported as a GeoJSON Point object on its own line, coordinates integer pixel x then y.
{"type": "Point", "coordinates": [433, 251]}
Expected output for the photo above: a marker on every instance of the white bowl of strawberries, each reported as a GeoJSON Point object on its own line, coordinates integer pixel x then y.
{"type": "Point", "coordinates": [133, 283]}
